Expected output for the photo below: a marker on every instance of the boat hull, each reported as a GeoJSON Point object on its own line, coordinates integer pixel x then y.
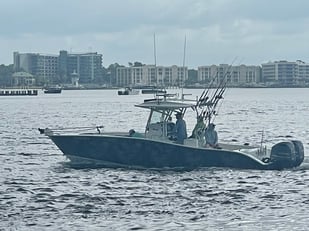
{"type": "Point", "coordinates": [127, 92]}
{"type": "Point", "coordinates": [153, 91]}
{"type": "Point", "coordinates": [123, 93]}
{"type": "Point", "coordinates": [145, 153]}
{"type": "Point", "coordinates": [53, 91]}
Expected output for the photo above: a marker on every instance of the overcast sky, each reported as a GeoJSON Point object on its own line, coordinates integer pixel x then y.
{"type": "Point", "coordinates": [216, 31]}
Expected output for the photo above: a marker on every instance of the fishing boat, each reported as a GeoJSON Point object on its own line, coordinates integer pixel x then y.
{"type": "Point", "coordinates": [153, 90]}
{"type": "Point", "coordinates": [53, 90]}
{"type": "Point", "coordinates": [156, 147]}
{"type": "Point", "coordinates": [128, 91]}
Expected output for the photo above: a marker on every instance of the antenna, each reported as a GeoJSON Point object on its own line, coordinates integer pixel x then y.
{"type": "Point", "coordinates": [183, 66]}
{"type": "Point", "coordinates": [184, 52]}
{"type": "Point", "coordinates": [155, 57]}
{"type": "Point", "coordinates": [154, 49]}
{"type": "Point", "coordinates": [262, 151]}
{"type": "Point", "coordinates": [262, 138]}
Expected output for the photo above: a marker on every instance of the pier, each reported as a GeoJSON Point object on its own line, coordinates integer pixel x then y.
{"type": "Point", "coordinates": [18, 92]}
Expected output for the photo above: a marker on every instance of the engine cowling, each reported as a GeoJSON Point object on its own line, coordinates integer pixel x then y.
{"type": "Point", "coordinates": [299, 152]}
{"type": "Point", "coordinates": [283, 155]}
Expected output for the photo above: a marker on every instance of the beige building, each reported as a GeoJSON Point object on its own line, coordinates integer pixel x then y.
{"type": "Point", "coordinates": [235, 75]}
{"type": "Point", "coordinates": [151, 75]}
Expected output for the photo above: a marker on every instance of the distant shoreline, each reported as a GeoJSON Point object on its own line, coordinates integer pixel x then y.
{"type": "Point", "coordinates": [115, 88]}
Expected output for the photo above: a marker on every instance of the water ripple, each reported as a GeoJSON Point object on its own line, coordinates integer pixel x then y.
{"type": "Point", "coordinates": [40, 190]}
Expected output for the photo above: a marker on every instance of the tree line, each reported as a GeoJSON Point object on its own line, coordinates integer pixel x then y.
{"type": "Point", "coordinates": [6, 73]}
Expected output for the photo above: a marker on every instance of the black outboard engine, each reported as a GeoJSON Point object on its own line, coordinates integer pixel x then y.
{"type": "Point", "coordinates": [299, 152]}
{"type": "Point", "coordinates": [283, 155]}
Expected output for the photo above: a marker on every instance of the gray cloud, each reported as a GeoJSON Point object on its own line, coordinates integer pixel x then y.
{"type": "Point", "coordinates": [216, 30]}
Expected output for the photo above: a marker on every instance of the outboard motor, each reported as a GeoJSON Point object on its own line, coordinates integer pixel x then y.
{"type": "Point", "coordinates": [283, 155]}
{"type": "Point", "coordinates": [299, 152]}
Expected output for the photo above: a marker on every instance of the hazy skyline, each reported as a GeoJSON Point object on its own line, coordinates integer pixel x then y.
{"type": "Point", "coordinates": [217, 31]}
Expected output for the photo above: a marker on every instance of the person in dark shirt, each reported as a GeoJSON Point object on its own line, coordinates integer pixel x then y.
{"type": "Point", "coordinates": [211, 136]}
{"type": "Point", "coordinates": [170, 126]}
{"type": "Point", "coordinates": [180, 129]}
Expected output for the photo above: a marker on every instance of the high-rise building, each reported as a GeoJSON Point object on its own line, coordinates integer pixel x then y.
{"type": "Point", "coordinates": [40, 65]}
{"type": "Point", "coordinates": [87, 66]}
{"type": "Point", "coordinates": [53, 68]}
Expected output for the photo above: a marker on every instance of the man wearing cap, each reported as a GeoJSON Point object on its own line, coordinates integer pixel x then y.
{"type": "Point", "coordinates": [211, 136]}
{"type": "Point", "coordinates": [180, 129]}
{"type": "Point", "coordinates": [133, 133]}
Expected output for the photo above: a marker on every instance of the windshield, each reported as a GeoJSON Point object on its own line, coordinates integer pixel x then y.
{"type": "Point", "coordinates": [156, 117]}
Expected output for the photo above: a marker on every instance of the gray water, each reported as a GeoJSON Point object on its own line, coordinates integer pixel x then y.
{"type": "Point", "coordinates": [41, 190]}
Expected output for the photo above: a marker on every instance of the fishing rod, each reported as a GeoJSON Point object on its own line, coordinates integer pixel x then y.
{"type": "Point", "coordinates": [220, 95]}
{"type": "Point", "coordinates": [215, 103]}
{"type": "Point", "coordinates": [204, 96]}
{"type": "Point", "coordinates": [223, 80]}
{"type": "Point", "coordinates": [203, 100]}
{"type": "Point", "coordinates": [207, 112]}
{"type": "Point", "coordinates": [218, 98]}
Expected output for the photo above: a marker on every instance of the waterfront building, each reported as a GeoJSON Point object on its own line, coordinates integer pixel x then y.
{"type": "Point", "coordinates": [59, 68]}
{"type": "Point", "coordinates": [235, 75]}
{"type": "Point", "coordinates": [151, 75]}
{"type": "Point", "coordinates": [23, 79]}
{"type": "Point", "coordinates": [47, 67]}
{"type": "Point", "coordinates": [285, 73]}
{"type": "Point", "coordinates": [40, 65]}
{"type": "Point", "coordinates": [303, 72]}
{"type": "Point", "coordinates": [87, 66]}
{"type": "Point", "coordinates": [280, 72]}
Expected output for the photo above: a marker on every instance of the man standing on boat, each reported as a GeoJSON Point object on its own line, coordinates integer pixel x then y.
{"type": "Point", "coordinates": [199, 128]}
{"type": "Point", "coordinates": [199, 131]}
{"type": "Point", "coordinates": [211, 136]}
{"type": "Point", "coordinates": [180, 129]}
{"type": "Point", "coordinates": [170, 126]}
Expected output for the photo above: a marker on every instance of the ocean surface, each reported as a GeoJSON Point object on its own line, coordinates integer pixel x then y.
{"type": "Point", "coordinates": [41, 190]}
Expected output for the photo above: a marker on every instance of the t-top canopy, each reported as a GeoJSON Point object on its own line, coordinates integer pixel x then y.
{"type": "Point", "coordinates": [164, 105]}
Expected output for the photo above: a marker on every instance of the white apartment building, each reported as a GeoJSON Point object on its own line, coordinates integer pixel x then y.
{"type": "Point", "coordinates": [235, 75]}
{"type": "Point", "coordinates": [151, 75]}
{"type": "Point", "coordinates": [284, 72]}
{"type": "Point", "coordinates": [303, 72]}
